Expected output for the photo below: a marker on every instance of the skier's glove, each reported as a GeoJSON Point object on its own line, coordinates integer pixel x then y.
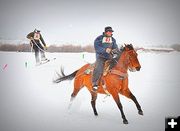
{"type": "Point", "coordinates": [45, 47]}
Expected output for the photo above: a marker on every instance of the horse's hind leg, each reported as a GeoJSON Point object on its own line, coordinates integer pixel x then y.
{"type": "Point", "coordinates": [133, 98]}
{"type": "Point", "coordinates": [93, 102]}
{"type": "Point", "coordinates": [77, 86]}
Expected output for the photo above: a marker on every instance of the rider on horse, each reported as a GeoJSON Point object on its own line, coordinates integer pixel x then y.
{"type": "Point", "coordinates": [103, 44]}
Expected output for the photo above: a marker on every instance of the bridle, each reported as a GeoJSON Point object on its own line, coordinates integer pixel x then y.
{"type": "Point", "coordinates": [124, 64]}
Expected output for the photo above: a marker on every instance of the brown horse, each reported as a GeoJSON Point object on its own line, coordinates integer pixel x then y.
{"type": "Point", "coordinates": [114, 82]}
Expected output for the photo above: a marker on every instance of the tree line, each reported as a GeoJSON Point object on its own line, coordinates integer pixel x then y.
{"type": "Point", "coordinates": [60, 48]}
{"type": "Point", "coordinates": [52, 48]}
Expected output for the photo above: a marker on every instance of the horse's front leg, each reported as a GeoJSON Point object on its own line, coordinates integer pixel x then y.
{"type": "Point", "coordinates": [140, 112]}
{"type": "Point", "coordinates": [117, 100]}
{"type": "Point", "coordinates": [126, 92]}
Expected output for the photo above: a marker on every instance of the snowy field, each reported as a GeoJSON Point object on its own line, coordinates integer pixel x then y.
{"type": "Point", "coordinates": [29, 101]}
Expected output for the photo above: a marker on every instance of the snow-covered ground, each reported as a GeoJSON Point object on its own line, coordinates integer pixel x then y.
{"type": "Point", "coordinates": [29, 101]}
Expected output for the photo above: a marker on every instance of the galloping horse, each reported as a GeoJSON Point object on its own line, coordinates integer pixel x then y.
{"type": "Point", "coordinates": [114, 82]}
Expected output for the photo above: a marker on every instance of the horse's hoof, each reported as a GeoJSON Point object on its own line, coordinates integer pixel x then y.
{"type": "Point", "coordinates": [95, 113]}
{"type": "Point", "coordinates": [140, 113]}
{"type": "Point", "coordinates": [125, 122]}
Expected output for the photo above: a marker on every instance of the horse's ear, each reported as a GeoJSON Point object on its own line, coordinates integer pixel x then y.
{"type": "Point", "coordinates": [132, 46]}
{"type": "Point", "coordinates": [126, 47]}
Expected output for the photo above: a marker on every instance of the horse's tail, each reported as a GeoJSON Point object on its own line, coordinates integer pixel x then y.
{"type": "Point", "coordinates": [62, 76]}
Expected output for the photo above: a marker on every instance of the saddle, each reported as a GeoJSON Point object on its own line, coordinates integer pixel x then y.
{"type": "Point", "coordinates": [109, 64]}
{"type": "Point", "coordinates": [106, 68]}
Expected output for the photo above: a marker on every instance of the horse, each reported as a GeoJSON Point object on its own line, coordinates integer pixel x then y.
{"type": "Point", "coordinates": [115, 82]}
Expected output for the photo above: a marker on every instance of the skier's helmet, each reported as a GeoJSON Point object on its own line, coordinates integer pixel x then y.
{"type": "Point", "coordinates": [35, 30]}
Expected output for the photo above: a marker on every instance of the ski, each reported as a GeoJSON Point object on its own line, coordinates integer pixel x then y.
{"type": "Point", "coordinates": [44, 62]}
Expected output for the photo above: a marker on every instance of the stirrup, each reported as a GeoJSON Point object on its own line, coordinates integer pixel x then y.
{"type": "Point", "coordinates": [94, 89]}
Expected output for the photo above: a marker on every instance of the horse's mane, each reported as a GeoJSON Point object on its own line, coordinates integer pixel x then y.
{"type": "Point", "coordinates": [117, 53]}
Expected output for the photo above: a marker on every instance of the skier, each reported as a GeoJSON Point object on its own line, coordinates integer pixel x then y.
{"type": "Point", "coordinates": [103, 45]}
{"type": "Point", "coordinates": [35, 37]}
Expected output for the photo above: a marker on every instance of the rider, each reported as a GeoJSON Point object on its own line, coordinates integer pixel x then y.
{"type": "Point", "coordinates": [103, 45]}
{"type": "Point", "coordinates": [35, 38]}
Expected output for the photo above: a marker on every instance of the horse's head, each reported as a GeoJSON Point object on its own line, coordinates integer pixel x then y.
{"type": "Point", "coordinates": [132, 58]}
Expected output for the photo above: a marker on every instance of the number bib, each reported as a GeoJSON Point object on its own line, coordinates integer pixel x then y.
{"type": "Point", "coordinates": [107, 40]}
{"type": "Point", "coordinates": [36, 36]}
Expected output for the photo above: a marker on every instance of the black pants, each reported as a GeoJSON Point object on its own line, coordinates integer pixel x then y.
{"type": "Point", "coordinates": [98, 70]}
{"type": "Point", "coordinates": [38, 49]}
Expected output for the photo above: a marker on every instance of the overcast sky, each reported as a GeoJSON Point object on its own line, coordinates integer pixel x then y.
{"type": "Point", "coordinates": [148, 22]}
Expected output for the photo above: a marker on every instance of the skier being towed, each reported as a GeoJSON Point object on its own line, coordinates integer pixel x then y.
{"type": "Point", "coordinates": [36, 39]}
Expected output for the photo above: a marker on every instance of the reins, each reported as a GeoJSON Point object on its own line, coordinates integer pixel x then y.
{"type": "Point", "coordinates": [37, 45]}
